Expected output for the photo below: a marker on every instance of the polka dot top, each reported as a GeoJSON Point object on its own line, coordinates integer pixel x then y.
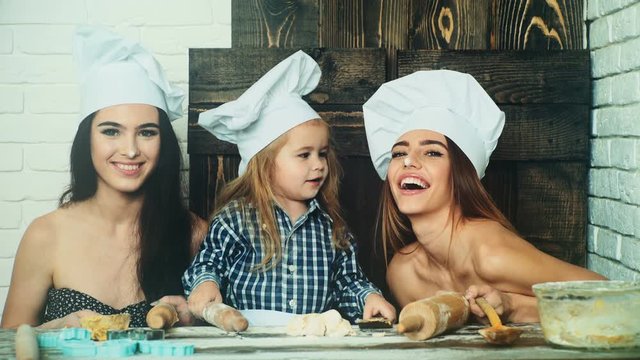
{"type": "Point", "coordinates": [64, 301]}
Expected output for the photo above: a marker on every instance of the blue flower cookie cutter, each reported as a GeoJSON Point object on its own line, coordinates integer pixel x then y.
{"type": "Point", "coordinates": [116, 348]}
{"type": "Point", "coordinates": [164, 348]}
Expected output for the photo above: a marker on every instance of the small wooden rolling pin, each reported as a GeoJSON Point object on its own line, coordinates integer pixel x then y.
{"type": "Point", "coordinates": [162, 316]}
{"type": "Point", "coordinates": [26, 343]}
{"type": "Point", "coordinates": [426, 318]}
{"type": "Point", "coordinates": [224, 317]}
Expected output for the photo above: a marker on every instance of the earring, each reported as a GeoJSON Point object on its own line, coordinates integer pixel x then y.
{"type": "Point", "coordinates": [407, 162]}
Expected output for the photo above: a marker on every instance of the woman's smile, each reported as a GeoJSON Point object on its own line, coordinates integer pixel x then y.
{"type": "Point", "coordinates": [128, 169]}
{"type": "Point", "coordinates": [412, 183]}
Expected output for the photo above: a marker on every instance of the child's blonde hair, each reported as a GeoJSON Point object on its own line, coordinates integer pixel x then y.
{"type": "Point", "coordinates": [254, 187]}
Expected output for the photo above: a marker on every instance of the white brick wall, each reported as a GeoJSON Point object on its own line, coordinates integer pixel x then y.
{"type": "Point", "coordinates": [614, 188]}
{"type": "Point", "coordinates": [39, 98]}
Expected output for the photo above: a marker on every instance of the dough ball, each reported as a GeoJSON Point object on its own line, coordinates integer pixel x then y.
{"type": "Point", "coordinates": [328, 323]}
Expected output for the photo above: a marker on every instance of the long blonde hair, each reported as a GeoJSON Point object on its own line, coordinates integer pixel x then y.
{"type": "Point", "coordinates": [254, 188]}
{"type": "Point", "coordinates": [468, 195]}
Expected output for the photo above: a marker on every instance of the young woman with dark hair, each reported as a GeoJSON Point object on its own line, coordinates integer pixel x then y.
{"type": "Point", "coordinates": [122, 236]}
{"type": "Point", "coordinates": [164, 222]}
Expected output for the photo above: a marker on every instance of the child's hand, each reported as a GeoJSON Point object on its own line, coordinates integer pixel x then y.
{"type": "Point", "coordinates": [497, 299]}
{"type": "Point", "coordinates": [375, 304]}
{"type": "Point", "coordinates": [203, 294]}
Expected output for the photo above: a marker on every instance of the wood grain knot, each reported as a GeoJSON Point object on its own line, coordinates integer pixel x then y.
{"type": "Point", "coordinates": [445, 23]}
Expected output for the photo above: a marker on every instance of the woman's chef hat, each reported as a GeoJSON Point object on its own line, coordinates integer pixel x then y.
{"type": "Point", "coordinates": [114, 71]}
{"type": "Point", "coordinates": [268, 109]}
{"type": "Point", "coordinates": [448, 102]}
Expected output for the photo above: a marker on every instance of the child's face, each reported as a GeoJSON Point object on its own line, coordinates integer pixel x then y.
{"type": "Point", "coordinates": [301, 164]}
{"type": "Point", "coordinates": [125, 145]}
{"type": "Point", "coordinates": [419, 172]}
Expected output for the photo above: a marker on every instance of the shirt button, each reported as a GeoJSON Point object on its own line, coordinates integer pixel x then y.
{"type": "Point", "coordinates": [292, 268]}
{"type": "Point", "coordinates": [292, 303]}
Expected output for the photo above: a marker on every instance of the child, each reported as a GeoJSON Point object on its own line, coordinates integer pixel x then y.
{"type": "Point", "coordinates": [277, 240]}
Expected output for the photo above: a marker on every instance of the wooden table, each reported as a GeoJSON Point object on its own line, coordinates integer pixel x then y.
{"type": "Point", "coordinates": [271, 343]}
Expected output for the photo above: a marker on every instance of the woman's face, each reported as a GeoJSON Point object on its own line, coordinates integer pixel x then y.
{"type": "Point", "coordinates": [125, 144]}
{"type": "Point", "coordinates": [419, 172]}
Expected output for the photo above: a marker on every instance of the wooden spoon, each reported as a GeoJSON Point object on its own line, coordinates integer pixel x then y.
{"type": "Point", "coordinates": [496, 334]}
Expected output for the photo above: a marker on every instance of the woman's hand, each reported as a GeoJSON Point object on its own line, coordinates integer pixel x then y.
{"type": "Point", "coordinates": [185, 318]}
{"type": "Point", "coordinates": [375, 304]}
{"type": "Point", "coordinates": [497, 299]}
{"type": "Point", "coordinates": [71, 320]}
{"type": "Point", "coordinates": [203, 294]}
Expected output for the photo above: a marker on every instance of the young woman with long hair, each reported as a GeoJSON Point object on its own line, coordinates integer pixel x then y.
{"type": "Point", "coordinates": [430, 135]}
{"type": "Point", "coordinates": [122, 236]}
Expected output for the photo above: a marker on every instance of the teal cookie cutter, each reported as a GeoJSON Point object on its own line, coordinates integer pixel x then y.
{"type": "Point", "coordinates": [76, 342]}
{"type": "Point", "coordinates": [75, 334]}
{"type": "Point", "coordinates": [77, 348]}
{"type": "Point", "coordinates": [116, 348]}
{"type": "Point", "coordinates": [164, 348]}
{"type": "Point", "coordinates": [48, 340]}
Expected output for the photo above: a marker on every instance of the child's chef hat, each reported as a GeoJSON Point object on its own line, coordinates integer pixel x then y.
{"type": "Point", "coordinates": [115, 71]}
{"type": "Point", "coordinates": [268, 109]}
{"type": "Point", "coordinates": [445, 101]}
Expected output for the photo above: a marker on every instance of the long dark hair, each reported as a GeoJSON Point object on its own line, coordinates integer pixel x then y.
{"type": "Point", "coordinates": [164, 223]}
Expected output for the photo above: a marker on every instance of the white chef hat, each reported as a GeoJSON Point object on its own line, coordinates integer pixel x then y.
{"type": "Point", "coordinates": [445, 101]}
{"type": "Point", "coordinates": [268, 109]}
{"type": "Point", "coordinates": [113, 70]}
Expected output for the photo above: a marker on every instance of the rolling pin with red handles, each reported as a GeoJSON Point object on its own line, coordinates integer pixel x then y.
{"type": "Point", "coordinates": [429, 317]}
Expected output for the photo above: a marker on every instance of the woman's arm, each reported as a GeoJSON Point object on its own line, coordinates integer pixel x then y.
{"type": "Point", "coordinates": [511, 265]}
{"type": "Point", "coordinates": [32, 276]}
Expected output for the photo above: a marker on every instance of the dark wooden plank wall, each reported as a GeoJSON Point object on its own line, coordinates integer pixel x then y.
{"type": "Point", "coordinates": [538, 173]}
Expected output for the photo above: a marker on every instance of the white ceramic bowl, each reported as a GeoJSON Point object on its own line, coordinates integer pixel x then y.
{"type": "Point", "coordinates": [590, 314]}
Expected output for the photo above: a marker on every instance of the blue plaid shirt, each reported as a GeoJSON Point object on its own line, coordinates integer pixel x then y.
{"type": "Point", "coordinates": [311, 277]}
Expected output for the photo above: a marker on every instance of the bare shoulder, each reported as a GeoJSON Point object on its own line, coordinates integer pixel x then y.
{"type": "Point", "coordinates": [34, 268]}
{"type": "Point", "coordinates": [49, 229]}
{"type": "Point", "coordinates": [507, 261]}
{"type": "Point", "coordinates": [488, 239]}
{"type": "Point", "coordinates": [43, 231]}
{"type": "Point", "coordinates": [494, 249]}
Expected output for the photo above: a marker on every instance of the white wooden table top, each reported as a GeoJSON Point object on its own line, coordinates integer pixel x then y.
{"type": "Point", "coordinates": [265, 343]}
